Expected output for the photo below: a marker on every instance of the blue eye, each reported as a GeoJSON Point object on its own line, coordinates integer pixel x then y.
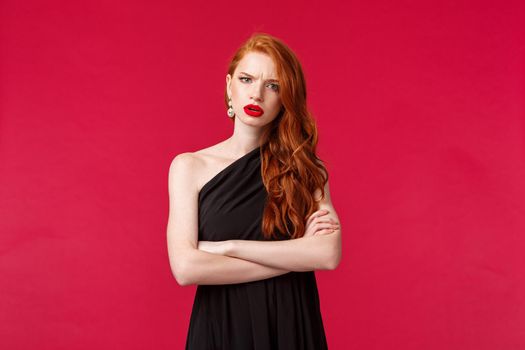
{"type": "Point", "coordinates": [275, 87]}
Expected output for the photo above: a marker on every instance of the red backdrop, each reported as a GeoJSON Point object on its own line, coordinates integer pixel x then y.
{"type": "Point", "coordinates": [420, 107]}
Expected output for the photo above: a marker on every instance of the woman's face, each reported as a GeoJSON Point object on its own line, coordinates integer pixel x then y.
{"type": "Point", "coordinates": [255, 82]}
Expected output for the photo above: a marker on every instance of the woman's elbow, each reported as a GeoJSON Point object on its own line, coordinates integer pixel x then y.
{"type": "Point", "coordinates": [178, 275]}
{"type": "Point", "coordinates": [333, 262]}
{"type": "Point", "coordinates": [181, 274]}
{"type": "Point", "coordinates": [180, 269]}
{"type": "Point", "coordinates": [334, 258]}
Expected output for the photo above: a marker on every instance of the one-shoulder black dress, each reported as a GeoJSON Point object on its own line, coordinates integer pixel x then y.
{"type": "Point", "coordinates": [281, 312]}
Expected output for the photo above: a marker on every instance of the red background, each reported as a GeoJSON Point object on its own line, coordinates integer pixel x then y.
{"type": "Point", "coordinates": [420, 107]}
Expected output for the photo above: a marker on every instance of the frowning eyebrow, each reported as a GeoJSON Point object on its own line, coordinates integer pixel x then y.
{"type": "Point", "coordinates": [251, 76]}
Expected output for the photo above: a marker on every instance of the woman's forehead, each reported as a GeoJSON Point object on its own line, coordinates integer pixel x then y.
{"type": "Point", "coordinates": [257, 64]}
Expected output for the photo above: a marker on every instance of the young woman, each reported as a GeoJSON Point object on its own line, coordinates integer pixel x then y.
{"type": "Point", "coordinates": [250, 218]}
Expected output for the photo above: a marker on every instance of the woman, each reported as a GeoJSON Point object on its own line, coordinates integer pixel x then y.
{"type": "Point", "coordinates": [250, 218]}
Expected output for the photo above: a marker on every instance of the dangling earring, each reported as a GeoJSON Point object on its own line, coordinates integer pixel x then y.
{"type": "Point", "coordinates": [231, 113]}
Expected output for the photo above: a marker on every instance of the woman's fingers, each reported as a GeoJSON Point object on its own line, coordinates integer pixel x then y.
{"type": "Point", "coordinates": [316, 214]}
{"type": "Point", "coordinates": [319, 220]}
{"type": "Point", "coordinates": [321, 228]}
{"type": "Point", "coordinates": [324, 231]}
{"type": "Point", "coordinates": [326, 225]}
{"type": "Point", "coordinates": [317, 224]}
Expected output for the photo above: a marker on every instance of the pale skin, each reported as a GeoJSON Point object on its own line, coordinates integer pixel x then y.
{"type": "Point", "coordinates": [238, 261]}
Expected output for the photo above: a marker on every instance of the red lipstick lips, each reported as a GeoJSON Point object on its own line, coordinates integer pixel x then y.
{"type": "Point", "coordinates": [253, 110]}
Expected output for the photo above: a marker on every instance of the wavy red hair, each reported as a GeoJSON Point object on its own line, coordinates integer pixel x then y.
{"type": "Point", "coordinates": [290, 168]}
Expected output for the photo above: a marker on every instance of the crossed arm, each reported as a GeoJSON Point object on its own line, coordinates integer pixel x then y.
{"type": "Point", "coordinates": [321, 252]}
{"type": "Point", "coordinates": [237, 261]}
{"type": "Point", "coordinates": [308, 253]}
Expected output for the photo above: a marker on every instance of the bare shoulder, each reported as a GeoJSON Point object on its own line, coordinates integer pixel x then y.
{"type": "Point", "coordinates": [182, 167]}
{"type": "Point", "coordinates": [189, 162]}
{"type": "Point", "coordinates": [198, 167]}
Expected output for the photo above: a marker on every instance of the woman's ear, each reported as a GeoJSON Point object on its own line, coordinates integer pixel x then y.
{"type": "Point", "coordinates": [228, 84]}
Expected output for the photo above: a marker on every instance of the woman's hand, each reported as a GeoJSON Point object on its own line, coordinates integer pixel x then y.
{"type": "Point", "coordinates": [317, 224]}
{"type": "Point", "coordinates": [220, 247]}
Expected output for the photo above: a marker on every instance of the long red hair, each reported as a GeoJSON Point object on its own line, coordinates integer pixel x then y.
{"type": "Point", "coordinates": [290, 168]}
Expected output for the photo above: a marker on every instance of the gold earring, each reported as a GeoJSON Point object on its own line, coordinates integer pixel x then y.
{"type": "Point", "coordinates": [231, 113]}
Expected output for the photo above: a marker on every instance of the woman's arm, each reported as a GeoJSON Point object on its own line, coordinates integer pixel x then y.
{"type": "Point", "coordinates": [318, 252]}
{"type": "Point", "coordinates": [188, 264]}
{"type": "Point", "coordinates": [201, 267]}
{"type": "Point", "coordinates": [302, 254]}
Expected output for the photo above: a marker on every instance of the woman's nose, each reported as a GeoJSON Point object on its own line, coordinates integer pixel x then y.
{"type": "Point", "coordinates": [257, 93]}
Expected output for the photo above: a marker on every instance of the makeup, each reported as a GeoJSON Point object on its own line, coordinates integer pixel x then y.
{"type": "Point", "coordinates": [253, 110]}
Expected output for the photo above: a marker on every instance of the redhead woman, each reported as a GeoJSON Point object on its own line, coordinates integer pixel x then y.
{"type": "Point", "coordinates": [250, 218]}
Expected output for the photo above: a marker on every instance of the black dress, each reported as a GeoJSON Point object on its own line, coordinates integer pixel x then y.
{"type": "Point", "coordinates": [281, 312]}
